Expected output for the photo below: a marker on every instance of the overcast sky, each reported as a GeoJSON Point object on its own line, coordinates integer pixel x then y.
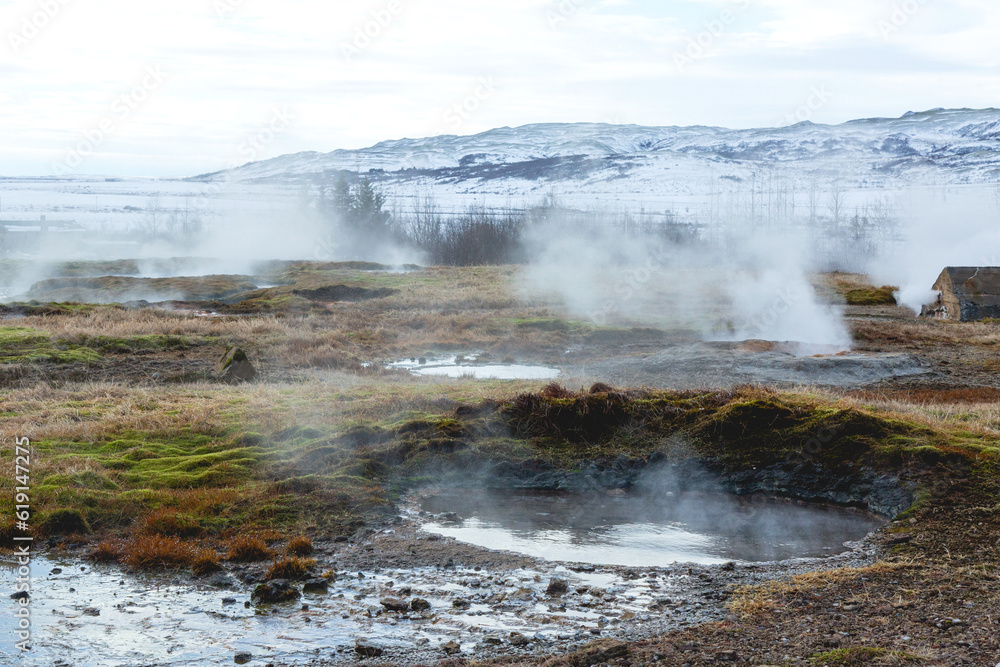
{"type": "Point", "coordinates": [180, 87]}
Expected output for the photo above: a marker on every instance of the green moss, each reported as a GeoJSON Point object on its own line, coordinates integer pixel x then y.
{"type": "Point", "coordinates": [65, 522]}
{"type": "Point", "coordinates": [876, 296]}
{"type": "Point", "coordinates": [22, 346]}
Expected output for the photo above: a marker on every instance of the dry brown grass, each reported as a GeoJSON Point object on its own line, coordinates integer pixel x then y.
{"type": "Point", "coordinates": [299, 546]}
{"type": "Point", "coordinates": [108, 551]}
{"type": "Point", "coordinates": [289, 568]}
{"type": "Point", "coordinates": [150, 552]}
{"type": "Point", "coordinates": [246, 549]}
{"type": "Point", "coordinates": [205, 562]}
{"type": "Point", "coordinates": [750, 601]}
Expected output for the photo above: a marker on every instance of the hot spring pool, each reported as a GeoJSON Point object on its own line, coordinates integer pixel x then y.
{"type": "Point", "coordinates": [645, 530]}
{"type": "Point", "coordinates": [467, 366]}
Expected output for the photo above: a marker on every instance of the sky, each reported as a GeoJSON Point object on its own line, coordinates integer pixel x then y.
{"type": "Point", "coordinates": [173, 88]}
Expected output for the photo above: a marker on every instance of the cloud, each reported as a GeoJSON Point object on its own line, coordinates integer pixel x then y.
{"type": "Point", "coordinates": [600, 59]}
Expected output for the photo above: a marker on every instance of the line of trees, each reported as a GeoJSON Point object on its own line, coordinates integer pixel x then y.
{"type": "Point", "coordinates": [844, 238]}
{"type": "Point", "coordinates": [478, 235]}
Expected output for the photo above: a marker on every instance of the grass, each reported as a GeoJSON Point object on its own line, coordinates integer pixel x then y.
{"type": "Point", "coordinates": [27, 346]}
{"type": "Point", "coordinates": [880, 296]}
{"type": "Point", "coordinates": [112, 289]}
{"type": "Point", "coordinates": [206, 463]}
{"type": "Point", "coordinates": [292, 569]}
{"type": "Point", "coordinates": [299, 546]}
{"type": "Point", "coordinates": [245, 549]}
{"type": "Point", "coordinates": [752, 601]}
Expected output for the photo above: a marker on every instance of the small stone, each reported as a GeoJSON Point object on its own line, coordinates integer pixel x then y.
{"type": "Point", "coordinates": [228, 601]}
{"type": "Point", "coordinates": [315, 586]}
{"type": "Point", "coordinates": [56, 570]}
{"type": "Point", "coordinates": [367, 650]}
{"type": "Point", "coordinates": [395, 604]}
{"type": "Point", "coordinates": [21, 595]}
{"type": "Point", "coordinates": [518, 640]}
{"type": "Point", "coordinates": [243, 657]}
{"type": "Point", "coordinates": [419, 604]}
{"type": "Point", "coordinates": [727, 656]}
{"type": "Point", "coordinates": [274, 592]}
{"type": "Point", "coordinates": [461, 603]}
{"type": "Point", "coordinates": [557, 587]}
{"type": "Point", "coordinates": [91, 611]}
{"type": "Point", "coordinates": [452, 647]}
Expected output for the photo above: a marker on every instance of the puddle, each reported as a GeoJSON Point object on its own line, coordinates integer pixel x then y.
{"type": "Point", "coordinates": [646, 531]}
{"type": "Point", "coordinates": [466, 366]}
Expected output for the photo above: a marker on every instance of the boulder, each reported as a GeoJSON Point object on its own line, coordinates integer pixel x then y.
{"type": "Point", "coordinates": [235, 366]}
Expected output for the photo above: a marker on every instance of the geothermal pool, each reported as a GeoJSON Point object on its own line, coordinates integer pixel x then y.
{"type": "Point", "coordinates": [467, 366]}
{"type": "Point", "coordinates": [649, 530]}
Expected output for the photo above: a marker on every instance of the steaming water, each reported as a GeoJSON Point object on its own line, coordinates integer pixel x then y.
{"type": "Point", "coordinates": [457, 367]}
{"type": "Point", "coordinates": [647, 530]}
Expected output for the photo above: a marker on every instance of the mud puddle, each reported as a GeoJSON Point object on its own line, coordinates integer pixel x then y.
{"type": "Point", "coordinates": [648, 530]}
{"type": "Point", "coordinates": [460, 366]}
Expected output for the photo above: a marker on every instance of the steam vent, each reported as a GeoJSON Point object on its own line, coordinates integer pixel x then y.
{"type": "Point", "coordinates": [967, 294]}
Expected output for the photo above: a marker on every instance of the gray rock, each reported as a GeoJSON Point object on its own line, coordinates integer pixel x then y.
{"type": "Point", "coordinates": [366, 649]}
{"type": "Point", "coordinates": [235, 367]}
{"type": "Point", "coordinates": [395, 604]}
{"type": "Point", "coordinates": [274, 592]}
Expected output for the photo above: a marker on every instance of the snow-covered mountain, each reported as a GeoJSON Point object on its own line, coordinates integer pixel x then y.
{"type": "Point", "coordinates": [630, 162]}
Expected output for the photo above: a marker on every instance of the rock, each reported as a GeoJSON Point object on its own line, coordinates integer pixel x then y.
{"type": "Point", "coordinates": [461, 603]}
{"type": "Point", "coordinates": [419, 604]}
{"type": "Point", "coordinates": [243, 657]}
{"type": "Point", "coordinates": [727, 656]}
{"type": "Point", "coordinates": [518, 640]}
{"type": "Point", "coordinates": [20, 595]}
{"type": "Point", "coordinates": [56, 570]}
{"type": "Point", "coordinates": [273, 592]}
{"type": "Point", "coordinates": [228, 601]}
{"type": "Point", "coordinates": [452, 648]}
{"type": "Point", "coordinates": [91, 611]}
{"type": "Point", "coordinates": [492, 640]}
{"type": "Point", "coordinates": [366, 649]}
{"type": "Point", "coordinates": [315, 586]}
{"type": "Point", "coordinates": [604, 650]}
{"type": "Point", "coordinates": [450, 517]}
{"type": "Point", "coordinates": [395, 604]}
{"type": "Point", "coordinates": [235, 366]}
{"type": "Point", "coordinates": [557, 587]}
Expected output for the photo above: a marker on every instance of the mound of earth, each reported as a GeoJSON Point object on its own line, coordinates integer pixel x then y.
{"type": "Point", "coordinates": [343, 293]}
{"type": "Point", "coordinates": [117, 289]}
